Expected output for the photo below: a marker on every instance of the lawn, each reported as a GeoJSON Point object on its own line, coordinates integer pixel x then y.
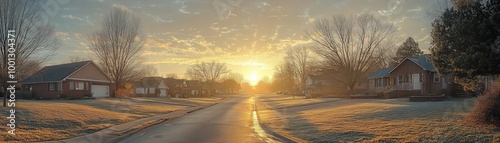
{"type": "Point", "coordinates": [60, 119]}
{"type": "Point", "coordinates": [278, 101]}
{"type": "Point", "coordinates": [391, 120]}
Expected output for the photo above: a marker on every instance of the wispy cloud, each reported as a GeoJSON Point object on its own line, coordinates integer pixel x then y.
{"type": "Point", "coordinates": [85, 20]}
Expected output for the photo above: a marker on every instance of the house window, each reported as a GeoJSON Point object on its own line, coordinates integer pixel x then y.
{"type": "Point", "coordinates": [71, 85]}
{"type": "Point", "coordinates": [76, 85]}
{"type": "Point", "coordinates": [378, 82]}
{"type": "Point", "coordinates": [400, 79]}
{"type": "Point", "coordinates": [436, 77]}
{"type": "Point", "coordinates": [79, 85]}
{"type": "Point", "coordinates": [52, 86]}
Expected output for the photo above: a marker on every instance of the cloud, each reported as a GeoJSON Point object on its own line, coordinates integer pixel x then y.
{"type": "Point", "coordinates": [85, 20]}
{"type": "Point", "coordinates": [158, 18]}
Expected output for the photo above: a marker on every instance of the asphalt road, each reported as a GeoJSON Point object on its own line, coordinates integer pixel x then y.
{"type": "Point", "coordinates": [232, 121]}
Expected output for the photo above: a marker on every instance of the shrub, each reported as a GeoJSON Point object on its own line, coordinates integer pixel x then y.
{"type": "Point", "coordinates": [487, 108]}
{"type": "Point", "coordinates": [123, 93]}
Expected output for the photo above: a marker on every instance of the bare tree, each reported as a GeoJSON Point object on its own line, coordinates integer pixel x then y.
{"type": "Point", "coordinates": [238, 77]}
{"type": "Point", "coordinates": [284, 77]}
{"type": "Point", "coordinates": [35, 40]}
{"type": "Point", "coordinates": [298, 57]}
{"type": "Point", "coordinates": [209, 72]}
{"type": "Point", "coordinates": [172, 75]}
{"type": "Point", "coordinates": [75, 59]}
{"type": "Point", "coordinates": [28, 68]}
{"type": "Point", "coordinates": [148, 71]}
{"type": "Point", "coordinates": [117, 45]}
{"type": "Point", "coordinates": [386, 56]}
{"type": "Point", "coordinates": [351, 45]}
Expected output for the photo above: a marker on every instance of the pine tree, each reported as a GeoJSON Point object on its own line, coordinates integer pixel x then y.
{"type": "Point", "coordinates": [465, 41]}
{"type": "Point", "coordinates": [408, 49]}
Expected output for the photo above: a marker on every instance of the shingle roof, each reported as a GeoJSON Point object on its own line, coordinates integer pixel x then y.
{"type": "Point", "coordinates": [424, 62]}
{"type": "Point", "coordinates": [55, 73]}
{"type": "Point", "coordinates": [381, 73]}
{"type": "Point", "coordinates": [172, 82]}
{"type": "Point", "coordinates": [151, 82]}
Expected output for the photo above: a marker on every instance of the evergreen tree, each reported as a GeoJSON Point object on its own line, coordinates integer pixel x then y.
{"type": "Point", "coordinates": [408, 49]}
{"type": "Point", "coordinates": [466, 40]}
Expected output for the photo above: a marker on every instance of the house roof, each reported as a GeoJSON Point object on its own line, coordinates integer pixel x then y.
{"type": "Point", "coordinates": [381, 73]}
{"type": "Point", "coordinates": [173, 81]}
{"type": "Point", "coordinates": [423, 61]}
{"type": "Point", "coordinates": [55, 73]}
{"type": "Point", "coordinates": [151, 82]}
{"type": "Point", "coordinates": [193, 83]}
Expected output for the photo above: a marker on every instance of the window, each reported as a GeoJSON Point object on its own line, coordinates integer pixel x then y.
{"type": "Point", "coordinates": [71, 85]}
{"type": "Point", "coordinates": [378, 82]}
{"type": "Point", "coordinates": [76, 85]}
{"type": "Point", "coordinates": [400, 79]}
{"type": "Point", "coordinates": [436, 77]}
{"type": "Point", "coordinates": [79, 85]}
{"type": "Point", "coordinates": [52, 86]}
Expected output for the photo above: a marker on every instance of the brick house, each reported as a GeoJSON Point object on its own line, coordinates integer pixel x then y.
{"type": "Point", "coordinates": [177, 87]}
{"type": "Point", "coordinates": [71, 80]}
{"type": "Point", "coordinates": [322, 85]}
{"type": "Point", "coordinates": [412, 76]}
{"type": "Point", "coordinates": [151, 87]}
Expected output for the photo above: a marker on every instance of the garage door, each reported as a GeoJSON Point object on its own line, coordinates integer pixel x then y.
{"type": "Point", "coordinates": [100, 90]}
{"type": "Point", "coordinates": [163, 93]}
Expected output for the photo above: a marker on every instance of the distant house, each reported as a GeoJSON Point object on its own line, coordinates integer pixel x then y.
{"type": "Point", "coordinates": [380, 82]}
{"type": "Point", "coordinates": [72, 80]}
{"type": "Point", "coordinates": [176, 87]}
{"type": "Point", "coordinates": [412, 76]}
{"type": "Point", "coordinates": [151, 87]}
{"type": "Point", "coordinates": [322, 84]}
{"type": "Point", "coordinates": [193, 88]}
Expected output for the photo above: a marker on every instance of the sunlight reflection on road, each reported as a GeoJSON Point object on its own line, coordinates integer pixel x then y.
{"type": "Point", "coordinates": [256, 126]}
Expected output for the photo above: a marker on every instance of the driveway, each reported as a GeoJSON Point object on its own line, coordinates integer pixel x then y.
{"type": "Point", "coordinates": [229, 121]}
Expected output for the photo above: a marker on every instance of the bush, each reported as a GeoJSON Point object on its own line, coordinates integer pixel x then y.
{"type": "Point", "coordinates": [121, 93]}
{"type": "Point", "coordinates": [487, 108]}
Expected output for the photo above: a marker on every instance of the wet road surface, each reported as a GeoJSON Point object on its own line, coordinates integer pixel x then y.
{"type": "Point", "coordinates": [231, 121]}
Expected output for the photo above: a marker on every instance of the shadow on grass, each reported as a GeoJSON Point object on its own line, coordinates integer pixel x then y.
{"type": "Point", "coordinates": [424, 110]}
{"type": "Point", "coordinates": [301, 128]}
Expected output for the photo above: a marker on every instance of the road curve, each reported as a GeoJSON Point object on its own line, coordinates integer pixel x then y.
{"type": "Point", "coordinates": [230, 121]}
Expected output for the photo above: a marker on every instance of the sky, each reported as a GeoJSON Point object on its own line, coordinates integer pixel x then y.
{"type": "Point", "coordinates": [250, 36]}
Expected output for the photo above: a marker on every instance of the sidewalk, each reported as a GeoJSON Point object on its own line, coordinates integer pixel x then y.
{"type": "Point", "coordinates": [118, 132]}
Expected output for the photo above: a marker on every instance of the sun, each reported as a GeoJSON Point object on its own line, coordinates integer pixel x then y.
{"type": "Point", "coordinates": [253, 78]}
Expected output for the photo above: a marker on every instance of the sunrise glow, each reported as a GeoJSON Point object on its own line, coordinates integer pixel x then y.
{"type": "Point", "coordinates": [253, 78]}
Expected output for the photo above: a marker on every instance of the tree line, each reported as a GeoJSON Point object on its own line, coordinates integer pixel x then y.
{"type": "Point", "coordinates": [345, 48]}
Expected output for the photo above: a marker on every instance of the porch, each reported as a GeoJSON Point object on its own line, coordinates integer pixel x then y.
{"type": "Point", "coordinates": [409, 86]}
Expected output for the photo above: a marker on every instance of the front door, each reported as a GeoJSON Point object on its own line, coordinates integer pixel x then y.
{"type": "Point", "coordinates": [415, 79]}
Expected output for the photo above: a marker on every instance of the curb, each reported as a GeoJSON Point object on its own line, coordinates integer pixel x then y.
{"type": "Point", "coordinates": [280, 137]}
